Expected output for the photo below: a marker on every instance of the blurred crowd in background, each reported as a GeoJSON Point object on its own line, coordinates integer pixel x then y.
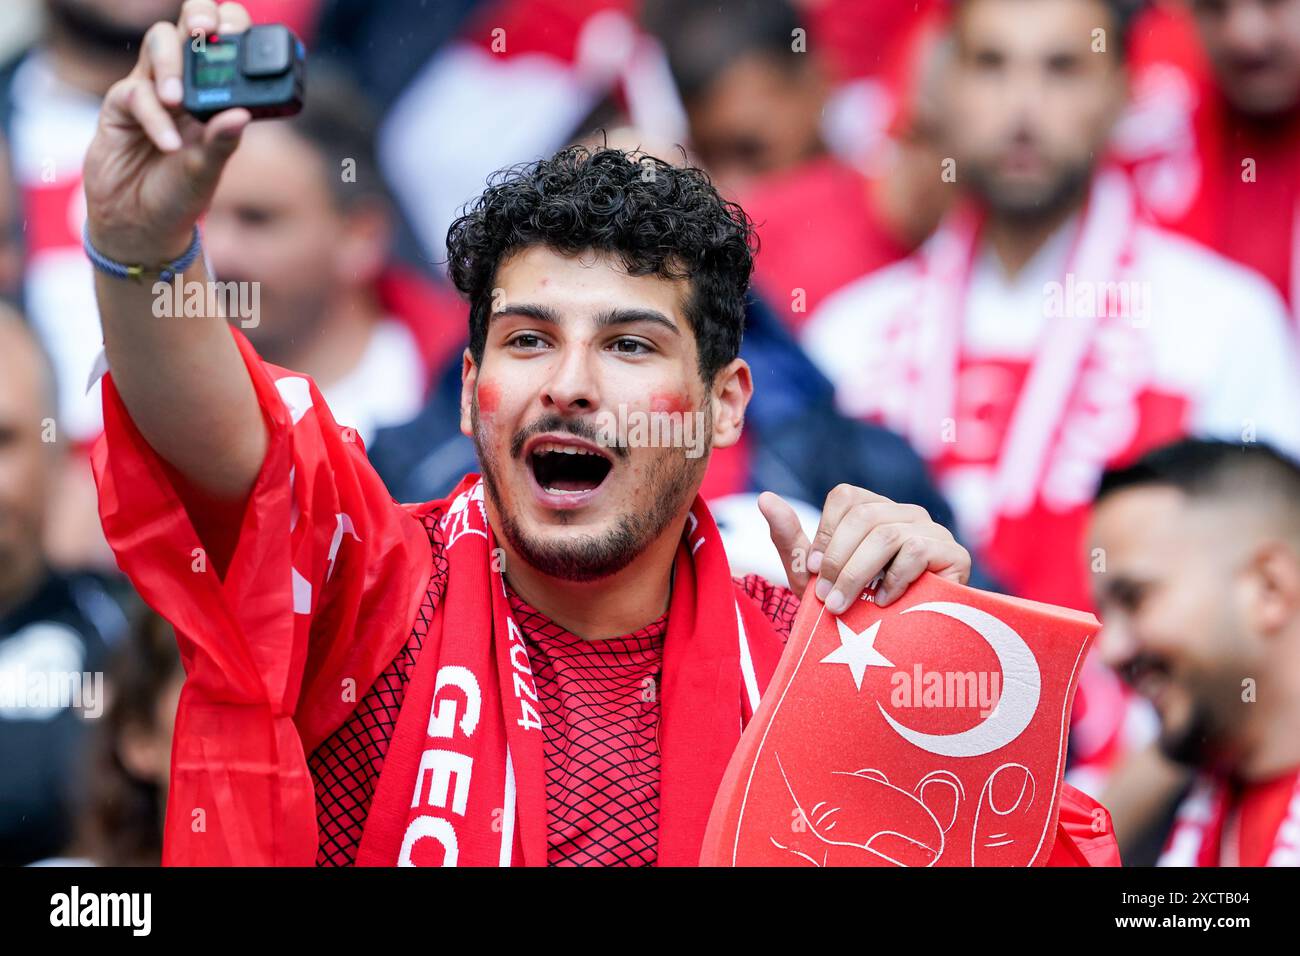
{"type": "Point", "coordinates": [1065, 229]}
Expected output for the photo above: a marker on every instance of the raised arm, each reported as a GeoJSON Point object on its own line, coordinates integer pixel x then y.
{"type": "Point", "coordinates": [150, 172]}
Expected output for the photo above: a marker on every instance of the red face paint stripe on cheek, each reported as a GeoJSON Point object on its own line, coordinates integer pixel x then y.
{"type": "Point", "coordinates": [670, 402]}
{"type": "Point", "coordinates": [489, 397]}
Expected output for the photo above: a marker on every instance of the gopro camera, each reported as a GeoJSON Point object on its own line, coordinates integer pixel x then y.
{"type": "Point", "coordinates": [261, 69]}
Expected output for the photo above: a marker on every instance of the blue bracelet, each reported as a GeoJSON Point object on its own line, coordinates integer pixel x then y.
{"type": "Point", "coordinates": [165, 271]}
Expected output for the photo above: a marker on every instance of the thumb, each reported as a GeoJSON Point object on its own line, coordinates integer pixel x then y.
{"type": "Point", "coordinates": [788, 536]}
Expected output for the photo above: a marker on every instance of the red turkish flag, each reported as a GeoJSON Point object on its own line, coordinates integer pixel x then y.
{"type": "Point", "coordinates": [928, 733]}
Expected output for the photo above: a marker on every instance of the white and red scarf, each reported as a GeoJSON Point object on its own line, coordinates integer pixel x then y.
{"type": "Point", "coordinates": [1056, 432]}
{"type": "Point", "coordinates": [1199, 837]}
{"type": "Point", "coordinates": [463, 782]}
{"type": "Point", "coordinates": [1078, 408]}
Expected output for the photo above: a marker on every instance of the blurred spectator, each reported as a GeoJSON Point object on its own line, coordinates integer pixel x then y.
{"type": "Point", "coordinates": [1200, 594]}
{"type": "Point", "coordinates": [752, 87]}
{"type": "Point", "coordinates": [753, 83]}
{"type": "Point", "coordinates": [54, 628]}
{"type": "Point", "coordinates": [49, 105]}
{"type": "Point", "coordinates": [1215, 138]}
{"type": "Point", "coordinates": [302, 218]}
{"type": "Point", "coordinates": [128, 767]}
{"type": "Point", "coordinates": [1046, 330]}
{"type": "Point", "coordinates": [11, 254]}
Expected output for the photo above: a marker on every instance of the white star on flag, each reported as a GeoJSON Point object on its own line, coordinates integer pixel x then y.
{"type": "Point", "coordinates": [858, 651]}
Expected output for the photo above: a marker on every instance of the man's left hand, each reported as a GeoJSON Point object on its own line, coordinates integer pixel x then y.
{"type": "Point", "coordinates": [862, 534]}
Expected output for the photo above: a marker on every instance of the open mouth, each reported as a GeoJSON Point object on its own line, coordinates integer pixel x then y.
{"type": "Point", "coordinates": [561, 468]}
{"type": "Point", "coordinates": [1148, 676]}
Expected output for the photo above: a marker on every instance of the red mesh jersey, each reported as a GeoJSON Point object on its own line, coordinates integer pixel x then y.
{"type": "Point", "coordinates": [600, 715]}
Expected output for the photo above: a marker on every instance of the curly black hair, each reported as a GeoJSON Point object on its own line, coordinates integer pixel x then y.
{"type": "Point", "coordinates": [659, 219]}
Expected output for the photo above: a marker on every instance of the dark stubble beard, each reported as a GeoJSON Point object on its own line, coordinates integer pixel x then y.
{"type": "Point", "coordinates": [1213, 723]}
{"type": "Point", "coordinates": [97, 32]}
{"type": "Point", "coordinates": [1191, 745]}
{"type": "Point", "coordinates": [671, 484]}
{"type": "Point", "coordinates": [1065, 191]}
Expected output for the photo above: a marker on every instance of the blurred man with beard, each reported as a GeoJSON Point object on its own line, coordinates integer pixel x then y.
{"type": "Point", "coordinates": [1215, 139]}
{"type": "Point", "coordinates": [49, 101]}
{"type": "Point", "coordinates": [303, 222]}
{"type": "Point", "coordinates": [1200, 601]}
{"type": "Point", "coordinates": [52, 625]}
{"type": "Point", "coordinates": [1046, 330]}
{"type": "Point", "coordinates": [552, 665]}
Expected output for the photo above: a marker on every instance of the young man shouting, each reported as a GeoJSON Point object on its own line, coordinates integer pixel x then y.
{"type": "Point", "coordinates": [551, 666]}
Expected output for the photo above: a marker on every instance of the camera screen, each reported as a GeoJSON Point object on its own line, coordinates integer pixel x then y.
{"type": "Point", "coordinates": [216, 65]}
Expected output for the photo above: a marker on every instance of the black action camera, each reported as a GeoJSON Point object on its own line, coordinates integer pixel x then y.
{"type": "Point", "coordinates": [261, 70]}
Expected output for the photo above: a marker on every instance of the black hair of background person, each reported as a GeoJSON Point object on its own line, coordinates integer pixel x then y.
{"type": "Point", "coordinates": [42, 758]}
{"type": "Point", "coordinates": [120, 821]}
{"type": "Point", "coordinates": [703, 39]}
{"type": "Point", "coordinates": [1200, 467]}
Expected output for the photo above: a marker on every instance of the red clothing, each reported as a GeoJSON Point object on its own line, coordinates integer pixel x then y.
{"type": "Point", "coordinates": [1255, 816]}
{"type": "Point", "coordinates": [860, 37]}
{"type": "Point", "coordinates": [1201, 168]}
{"type": "Point", "coordinates": [300, 656]}
{"type": "Point", "coordinates": [600, 746]}
{"type": "Point", "coordinates": [728, 471]}
{"type": "Point", "coordinates": [600, 705]}
{"type": "Point", "coordinates": [1229, 823]}
{"type": "Point", "coordinates": [300, 16]}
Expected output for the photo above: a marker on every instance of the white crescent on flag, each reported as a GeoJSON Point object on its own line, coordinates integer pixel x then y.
{"type": "Point", "coordinates": [1021, 686]}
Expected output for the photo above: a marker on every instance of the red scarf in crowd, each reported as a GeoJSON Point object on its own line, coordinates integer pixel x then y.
{"type": "Point", "coordinates": [1047, 408]}
{"type": "Point", "coordinates": [1073, 414]}
{"type": "Point", "coordinates": [1247, 192]}
{"type": "Point", "coordinates": [463, 782]}
{"type": "Point", "coordinates": [1207, 833]}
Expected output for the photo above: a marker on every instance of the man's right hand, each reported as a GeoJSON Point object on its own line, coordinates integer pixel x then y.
{"type": "Point", "coordinates": [151, 169]}
{"type": "Point", "coordinates": [150, 172]}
